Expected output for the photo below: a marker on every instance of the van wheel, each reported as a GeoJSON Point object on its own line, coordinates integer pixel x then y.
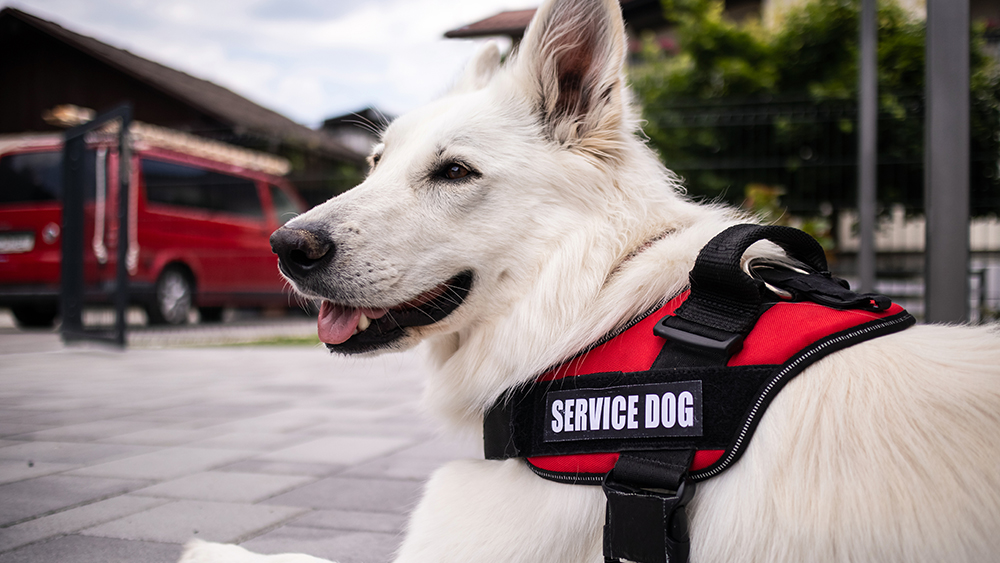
{"type": "Point", "coordinates": [35, 315]}
{"type": "Point", "coordinates": [174, 298]}
{"type": "Point", "coordinates": [210, 314]}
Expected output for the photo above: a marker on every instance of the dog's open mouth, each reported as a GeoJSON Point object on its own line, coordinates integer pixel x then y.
{"type": "Point", "coordinates": [353, 330]}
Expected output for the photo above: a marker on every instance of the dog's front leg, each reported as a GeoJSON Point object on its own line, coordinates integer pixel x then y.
{"type": "Point", "coordinates": [492, 511]}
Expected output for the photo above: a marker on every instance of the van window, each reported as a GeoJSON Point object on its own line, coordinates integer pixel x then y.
{"type": "Point", "coordinates": [190, 186]}
{"type": "Point", "coordinates": [284, 206]}
{"type": "Point", "coordinates": [37, 176]}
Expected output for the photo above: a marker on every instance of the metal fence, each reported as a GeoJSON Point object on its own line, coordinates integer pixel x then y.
{"type": "Point", "coordinates": [808, 150]}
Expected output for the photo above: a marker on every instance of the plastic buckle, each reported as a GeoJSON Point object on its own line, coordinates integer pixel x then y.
{"type": "Point", "coordinates": [646, 525]}
{"type": "Point", "coordinates": [680, 330]}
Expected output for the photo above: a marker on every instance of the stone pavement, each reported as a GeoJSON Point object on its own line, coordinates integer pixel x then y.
{"type": "Point", "coordinates": [122, 456]}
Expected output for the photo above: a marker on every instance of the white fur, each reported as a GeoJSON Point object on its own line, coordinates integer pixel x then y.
{"type": "Point", "coordinates": [886, 451]}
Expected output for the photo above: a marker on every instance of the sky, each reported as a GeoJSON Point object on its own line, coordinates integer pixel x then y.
{"type": "Point", "coordinates": [306, 59]}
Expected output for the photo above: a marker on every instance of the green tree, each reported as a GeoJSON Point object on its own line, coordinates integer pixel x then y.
{"type": "Point", "coordinates": [741, 104]}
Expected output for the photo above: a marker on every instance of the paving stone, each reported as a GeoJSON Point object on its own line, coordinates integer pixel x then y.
{"type": "Point", "coordinates": [290, 420]}
{"type": "Point", "coordinates": [11, 470]}
{"type": "Point", "coordinates": [161, 436]}
{"type": "Point", "coordinates": [82, 549]}
{"type": "Point", "coordinates": [13, 415]}
{"type": "Point", "coordinates": [353, 520]}
{"type": "Point", "coordinates": [413, 430]}
{"type": "Point", "coordinates": [225, 486]}
{"type": "Point", "coordinates": [158, 408]}
{"type": "Point", "coordinates": [164, 464]}
{"type": "Point", "coordinates": [262, 441]}
{"type": "Point", "coordinates": [282, 468]}
{"type": "Point", "coordinates": [18, 429]}
{"type": "Point", "coordinates": [380, 495]}
{"type": "Point", "coordinates": [194, 423]}
{"type": "Point", "coordinates": [442, 447]}
{"type": "Point", "coordinates": [354, 412]}
{"type": "Point", "coordinates": [336, 450]}
{"type": "Point", "coordinates": [35, 497]}
{"type": "Point", "coordinates": [343, 547]}
{"type": "Point", "coordinates": [64, 402]}
{"type": "Point", "coordinates": [85, 431]}
{"type": "Point", "coordinates": [396, 467]}
{"type": "Point", "coordinates": [59, 417]}
{"type": "Point", "coordinates": [216, 409]}
{"type": "Point", "coordinates": [69, 452]}
{"type": "Point", "coordinates": [74, 519]}
{"type": "Point", "coordinates": [177, 522]}
{"type": "Point", "coordinates": [419, 461]}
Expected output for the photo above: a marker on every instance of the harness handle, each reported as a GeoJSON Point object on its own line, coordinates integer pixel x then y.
{"type": "Point", "coordinates": [723, 296]}
{"type": "Point", "coordinates": [725, 301]}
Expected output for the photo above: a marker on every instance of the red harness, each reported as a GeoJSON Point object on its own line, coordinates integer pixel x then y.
{"type": "Point", "coordinates": [783, 331]}
{"type": "Point", "coordinates": [675, 397]}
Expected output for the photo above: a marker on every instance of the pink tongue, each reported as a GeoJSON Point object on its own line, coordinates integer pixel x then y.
{"type": "Point", "coordinates": [336, 323]}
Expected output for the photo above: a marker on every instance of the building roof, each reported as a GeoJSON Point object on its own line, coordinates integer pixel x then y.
{"type": "Point", "coordinates": [514, 23]}
{"type": "Point", "coordinates": [212, 99]}
{"type": "Point", "coordinates": [144, 135]}
{"type": "Point", "coordinates": [367, 118]}
{"type": "Point", "coordinates": [505, 23]}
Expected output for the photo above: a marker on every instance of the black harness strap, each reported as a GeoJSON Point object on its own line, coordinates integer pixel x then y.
{"type": "Point", "coordinates": [646, 518]}
{"type": "Point", "coordinates": [514, 427]}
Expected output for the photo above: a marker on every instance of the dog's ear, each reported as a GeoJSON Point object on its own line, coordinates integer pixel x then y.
{"type": "Point", "coordinates": [574, 55]}
{"type": "Point", "coordinates": [480, 70]}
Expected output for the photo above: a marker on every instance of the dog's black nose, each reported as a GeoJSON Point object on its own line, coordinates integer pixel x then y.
{"type": "Point", "coordinates": [301, 251]}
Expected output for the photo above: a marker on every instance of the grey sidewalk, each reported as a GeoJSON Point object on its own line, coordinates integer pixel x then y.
{"type": "Point", "coordinates": [109, 456]}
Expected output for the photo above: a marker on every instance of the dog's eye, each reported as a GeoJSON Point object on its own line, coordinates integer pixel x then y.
{"type": "Point", "coordinates": [454, 171]}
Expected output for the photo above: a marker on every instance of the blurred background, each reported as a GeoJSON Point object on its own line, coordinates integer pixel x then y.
{"type": "Point", "coordinates": [247, 114]}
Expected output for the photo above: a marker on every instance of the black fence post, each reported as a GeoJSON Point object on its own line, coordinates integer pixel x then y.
{"type": "Point", "coordinates": [946, 162]}
{"type": "Point", "coordinates": [867, 143]}
{"type": "Point", "coordinates": [73, 283]}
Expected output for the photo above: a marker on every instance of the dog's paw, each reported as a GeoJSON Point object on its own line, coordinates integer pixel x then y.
{"type": "Point", "coordinates": [198, 551]}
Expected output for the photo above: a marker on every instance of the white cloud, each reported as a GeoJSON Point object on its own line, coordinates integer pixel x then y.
{"type": "Point", "coordinates": [307, 59]}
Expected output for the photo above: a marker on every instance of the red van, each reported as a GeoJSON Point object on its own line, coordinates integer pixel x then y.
{"type": "Point", "coordinates": [200, 216]}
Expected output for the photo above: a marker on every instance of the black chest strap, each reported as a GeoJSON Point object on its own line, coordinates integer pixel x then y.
{"type": "Point", "coordinates": [646, 516]}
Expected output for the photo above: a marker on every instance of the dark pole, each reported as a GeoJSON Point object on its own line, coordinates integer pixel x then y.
{"type": "Point", "coordinates": [124, 184]}
{"type": "Point", "coordinates": [71, 293]}
{"type": "Point", "coordinates": [867, 143]}
{"type": "Point", "coordinates": [946, 162]}
{"type": "Point", "coordinates": [71, 266]}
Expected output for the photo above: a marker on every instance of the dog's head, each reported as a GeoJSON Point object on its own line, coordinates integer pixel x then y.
{"type": "Point", "coordinates": [470, 197]}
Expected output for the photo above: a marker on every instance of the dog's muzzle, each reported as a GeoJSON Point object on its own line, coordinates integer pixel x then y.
{"type": "Point", "coordinates": [301, 251]}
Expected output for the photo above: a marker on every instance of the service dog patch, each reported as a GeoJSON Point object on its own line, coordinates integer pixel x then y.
{"type": "Point", "coordinates": [651, 410]}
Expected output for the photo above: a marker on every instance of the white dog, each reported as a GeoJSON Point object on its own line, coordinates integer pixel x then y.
{"type": "Point", "coordinates": [529, 192]}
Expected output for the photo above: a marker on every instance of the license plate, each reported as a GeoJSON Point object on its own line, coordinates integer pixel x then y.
{"type": "Point", "coordinates": [15, 243]}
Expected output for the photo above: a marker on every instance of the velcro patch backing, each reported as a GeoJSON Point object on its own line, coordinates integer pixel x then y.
{"type": "Point", "coordinates": [649, 410]}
